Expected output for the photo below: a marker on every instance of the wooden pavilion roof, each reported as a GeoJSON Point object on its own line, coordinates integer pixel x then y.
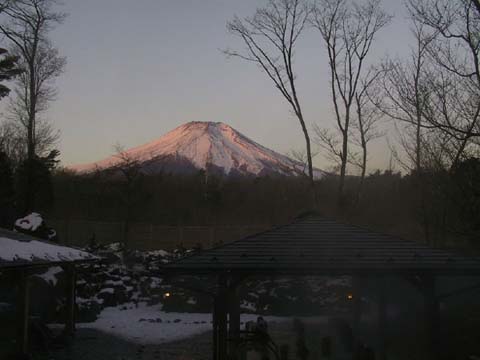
{"type": "Point", "coordinates": [18, 250]}
{"type": "Point", "coordinates": [319, 246]}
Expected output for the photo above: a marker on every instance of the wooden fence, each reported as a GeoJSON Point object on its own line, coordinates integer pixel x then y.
{"type": "Point", "coordinates": [145, 236]}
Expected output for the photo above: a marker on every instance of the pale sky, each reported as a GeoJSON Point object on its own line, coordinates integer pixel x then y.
{"type": "Point", "coordinates": [137, 69]}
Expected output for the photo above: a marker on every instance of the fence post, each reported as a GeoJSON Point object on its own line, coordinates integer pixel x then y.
{"type": "Point", "coordinates": [180, 235]}
{"type": "Point", "coordinates": [150, 242]}
{"type": "Point", "coordinates": [212, 236]}
{"type": "Point", "coordinates": [67, 231]}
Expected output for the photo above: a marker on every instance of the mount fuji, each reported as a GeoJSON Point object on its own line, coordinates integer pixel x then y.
{"type": "Point", "coordinates": [211, 146]}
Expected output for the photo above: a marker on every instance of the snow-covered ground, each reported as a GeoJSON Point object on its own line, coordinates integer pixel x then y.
{"type": "Point", "coordinates": [150, 325]}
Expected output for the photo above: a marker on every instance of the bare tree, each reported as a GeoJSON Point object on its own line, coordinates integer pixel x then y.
{"type": "Point", "coordinates": [348, 31]}
{"type": "Point", "coordinates": [404, 95]}
{"type": "Point", "coordinates": [26, 24]}
{"type": "Point", "coordinates": [330, 143]}
{"type": "Point", "coordinates": [5, 4]}
{"type": "Point", "coordinates": [270, 38]}
{"type": "Point", "coordinates": [301, 158]}
{"type": "Point", "coordinates": [130, 170]}
{"type": "Point", "coordinates": [477, 5]}
{"type": "Point", "coordinates": [367, 118]}
{"type": "Point", "coordinates": [454, 53]}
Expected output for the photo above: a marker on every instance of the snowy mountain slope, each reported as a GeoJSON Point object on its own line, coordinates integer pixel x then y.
{"type": "Point", "coordinates": [204, 145]}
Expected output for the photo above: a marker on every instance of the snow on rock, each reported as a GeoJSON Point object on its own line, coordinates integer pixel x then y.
{"type": "Point", "coordinates": [30, 222]}
{"type": "Point", "coordinates": [107, 291]}
{"type": "Point", "coordinates": [34, 225]}
{"type": "Point", "coordinates": [18, 250]}
{"type": "Point", "coordinates": [161, 253]}
{"type": "Point", "coordinates": [150, 325]}
{"type": "Point", "coordinates": [205, 145]}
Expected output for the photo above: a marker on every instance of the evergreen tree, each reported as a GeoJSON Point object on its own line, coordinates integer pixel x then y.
{"type": "Point", "coordinates": [7, 193]}
{"type": "Point", "coordinates": [8, 70]}
{"type": "Point", "coordinates": [41, 168]}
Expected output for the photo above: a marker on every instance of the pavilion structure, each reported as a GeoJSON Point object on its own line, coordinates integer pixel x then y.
{"type": "Point", "coordinates": [22, 256]}
{"type": "Point", "coordinates": [314, 245]}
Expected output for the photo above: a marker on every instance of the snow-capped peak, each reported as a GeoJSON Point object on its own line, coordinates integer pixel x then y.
{"type": "Point", "coordinates": [204, 145]}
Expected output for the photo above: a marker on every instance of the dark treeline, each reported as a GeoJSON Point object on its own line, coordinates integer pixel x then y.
{"type": "Point", "coordinates": [438, 207]}
{"type": "Point", "coordinates": [14, 181]}
{"type": "Point", "coordinates": [178, 199]}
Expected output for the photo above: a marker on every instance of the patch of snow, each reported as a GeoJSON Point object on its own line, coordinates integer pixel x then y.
{"type": "Point", "coordinates": [52, 234]}
{"type": "Point", "coordinates": [161, 253]}
{"type": "Point", "coordinates": [248, 306]}
{"type": "Point", "coordinates": [14, 250]}
{"type": "Point", "coordinates": [155, 283]}
{"type": "Point", "coordinates": [342, 281]}
{"type": "Point", "coordinates": [30, 222]}
{"type": "Point", "coordinates": [107, 291]}
{"type": "Point", "coordinates": [113, 283]}
{"type": "Point", "coordinates": [191, 301]}
{"type": "Point", "coordinates": [150, 325]}
{"type": "Point", "coordinates": [50, 276]}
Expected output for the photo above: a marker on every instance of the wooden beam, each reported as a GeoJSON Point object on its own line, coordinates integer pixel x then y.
{"type": "Point", "coordinates": [459, 291]}
{"type": "Point", "coordinates": [382, 320]}
{"type": "Point", "coordinates": [432, 317]}
{"type": "Point", "coordinates": [215, 329]}
{"type": "Point", "coordinates": [220, 331]}
{"type": "Point", "coordinates": [70, 300]}
{"type": "Point", "coordinates": [222, 318]}
{"type": "Point", "coordinates": [356, 316]}
{"type": "Point", "coordinates": [234, 322]}
{"type": "Point", "coordinates": [23, 313]}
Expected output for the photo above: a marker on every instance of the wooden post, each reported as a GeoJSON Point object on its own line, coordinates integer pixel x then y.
{"type": "Point", "coordinates": [23, 313]}
{"type": "Point", "coordinates": [180, 235]}
{"type": "Point", "coordinates": [234, 322]}
{"type": "Point", "coordinates": [356, 316]}
{"type": "Point", "coordinates": [212, 236]}
{"type": "Point", "coordinates": [150, 235]}
{"type": "Point", "coordinates": [382, 320]}
{"type": "Point", "coordinates": [215, 328]}
{"type": "Point", "coordinates": [431, 317]}
{"type": "Point", "coordinates": [70, 300]}
{"type": "Point", "coordinates": [220, 309]}
{"type": "Point", "coordinates": [67, 231]}
{"type": "Point", "coordinates": [222, 318]}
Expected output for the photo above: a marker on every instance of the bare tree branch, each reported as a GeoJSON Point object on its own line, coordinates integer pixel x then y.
{"type": "Point", "coordinates": [270, 38]}
{"type": "Point", "coordinates": [348, 32]}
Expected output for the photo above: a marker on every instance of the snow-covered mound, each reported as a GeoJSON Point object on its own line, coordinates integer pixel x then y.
{"type": "Point", "coordinates": [34, 225]}
{"type": "Point", "coordinates": [30, 222]}
{"type": "Point", "coordinates": [203, 145]}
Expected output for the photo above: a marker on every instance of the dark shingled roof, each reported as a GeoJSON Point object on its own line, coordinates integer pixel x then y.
{"type": "Point", "coordinates": [316, 245]}
{"type": "Point", "coordinates": [19, 250]}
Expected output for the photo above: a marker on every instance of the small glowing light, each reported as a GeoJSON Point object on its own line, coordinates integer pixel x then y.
{"type": "Point", "coordinates": [349, 296]}
{"type": "Point", "coordinates": [167, 294]}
